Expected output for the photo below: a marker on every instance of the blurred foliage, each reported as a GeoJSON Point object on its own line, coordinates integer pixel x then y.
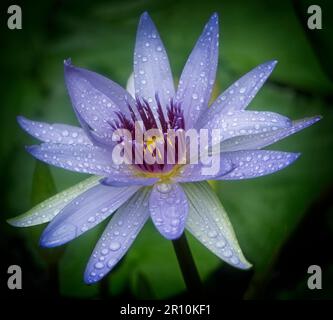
{"type": "Point", "coordinates": [269, 214]}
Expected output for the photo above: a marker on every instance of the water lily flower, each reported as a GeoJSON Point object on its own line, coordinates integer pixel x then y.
{"type": "Point", "coordinates": [174, 196]}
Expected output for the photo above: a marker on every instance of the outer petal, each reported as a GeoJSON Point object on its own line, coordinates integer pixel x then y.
{"type": "Point", "coordinates": [57, 133]}
{"type": "Point", "coordinates": [152, 74]}
{"type": "Point", "coordinates": [209, 223]}
{"type": "Point", "coordinates": [198, 77]}
{"type": "Point", "coordinates": [168, 208]}
{"type": "Point", "coordinates": [261, 140]}
{"type": "Point", "coordinates": [256, 163]}
{"type": "Point", "coordinates": [79, 158]}
{"type": "Point", "coordinates": [239, 94]}
{"type": "Point", "coordinates": [118, 236]}
{"type": "Point", "coordinates": [84, 213]}
{"type": "Point", "coordinates": [95, 98]}
{"type": "Point", "coordinates": [48, 209]}
{"type": "Point", "coordinates": [239, 165]}
{"type": "Point", "coordinates": [246, 122]}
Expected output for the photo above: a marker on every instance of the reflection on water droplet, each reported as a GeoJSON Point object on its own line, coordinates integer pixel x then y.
{"type": "Point", "coordinates": [164, 187]}
{"type": "Point", "coordinates": [212, 234]}
{"type": "Point", "coordinates": [114, 245]}
{"type": "Point", "coordinates": [104, 252]}
{"type": "Point", "coordinates": [227, 253]}
{"type": "Point", "coordinates": [112, 262]}
{"type": "Point", "coordinates": [99, 265]}
{"type": "Point", "coordinates": [220, 244]}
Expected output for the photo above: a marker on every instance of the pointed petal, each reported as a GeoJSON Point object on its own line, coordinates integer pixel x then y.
{"type": "Point", "coordinates": [238, 96]}
{"type": "Point", "coordinates": [57, 133]}
{"type": "Point", "coordinates": [198, 77]}
{"type": "Point", "coordinates": [95, 98]}
{"type": "Point", "coordinates": [118, 236]}
{"type": "Point", "coordinates": [264, 139]}
{"type": "Point", "coordinates": [256, 163]}
{"type": "Point", "coordinates": [238, 165]}
{"type": "Point", "coordinates": [152, 73]}
{"type": "Point", "coordinates": [168, 208]}
{"type": "Point", "coordinates": [48, 209]}
{"type": "Point", "coordinates": [209, 223]}
{"type": "Point", "coordinates": [84, 213]}
{"type": "Point", "coordinates": [246, 122]}
{"type": "Point", "coordinates": [79, 158]}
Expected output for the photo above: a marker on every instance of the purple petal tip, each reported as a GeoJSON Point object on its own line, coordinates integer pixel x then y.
{"type": "Point", "coordinates": [21, 121]}
{"type": "Point", "coordinates": [68, 62]}
{"type": "Point", "coordinates": [89, 280]}
{"type": "Point", "coordinates": [145, 16]}
{"type": "Point", "coordinates": [215, 16]}
{"type": "Point", "coordinates": [31, 149]}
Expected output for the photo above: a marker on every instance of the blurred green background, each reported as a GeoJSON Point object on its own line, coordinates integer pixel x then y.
{"type": "Point", "coordinates": [284, 222]}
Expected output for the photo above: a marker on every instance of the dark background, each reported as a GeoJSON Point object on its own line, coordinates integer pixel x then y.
{"type": "Point", "coordinates": [284, 222]}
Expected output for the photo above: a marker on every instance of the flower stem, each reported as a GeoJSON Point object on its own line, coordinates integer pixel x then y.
{"type": "Point", "coordinates": [186, 263]}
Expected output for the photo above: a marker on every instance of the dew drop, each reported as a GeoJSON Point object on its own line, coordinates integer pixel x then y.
{"type": "Point", "coordinates": [91, 219]}
{"type": "Point", "coordinates": [175, 222]}
{"type": "Point", "coordinates": [227, 253]}
{"type": "Point", "coordinates": [164, 187]}
{"type": "Point", "coordinates": [112, 262]}
{"type": "Point", "coordinates": [212, 234]}
{"type": "Point", "coordinates": [220, 244]}
{"type": "Point", "coordinates": [114, 245]}
{"type": "Point", "coordinates": [104, 252]}
{"type": "Point", "coordinates": [99, 265]}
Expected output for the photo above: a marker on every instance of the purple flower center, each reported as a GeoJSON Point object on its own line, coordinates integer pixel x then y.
{"type": "Point", "coordinates": [160, 147]}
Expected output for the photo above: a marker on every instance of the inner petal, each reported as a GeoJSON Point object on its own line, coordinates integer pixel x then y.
{"type": "Point", "coordinates": [152, 143]}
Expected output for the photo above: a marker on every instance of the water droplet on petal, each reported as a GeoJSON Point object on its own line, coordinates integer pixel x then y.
{"type": "Point", "coordinates": [112, 262]}
{"type": "Point", "coordinates": [212, 234]}
{"type": "Point", "coordinates": [220, 244]}
{"type": "Point", "coordinates": [164, 187]}
{"type": "Point", "coordinates": [115, 245]}
{"type": "Point", "coordinates": [104, 252]}
{"type": "Point", "coordinates": [99, 265]}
